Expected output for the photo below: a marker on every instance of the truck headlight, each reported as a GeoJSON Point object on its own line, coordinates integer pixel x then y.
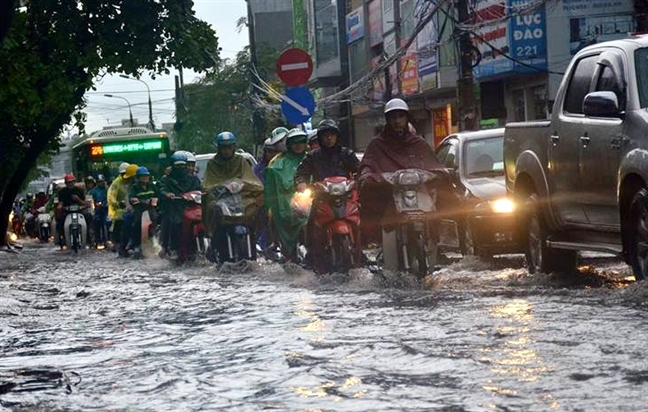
{"type": "Point", "coordinates": [503, 205]}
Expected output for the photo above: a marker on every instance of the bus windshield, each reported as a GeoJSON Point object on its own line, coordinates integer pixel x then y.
{"type": "Point", "coordinates": [104, 151]}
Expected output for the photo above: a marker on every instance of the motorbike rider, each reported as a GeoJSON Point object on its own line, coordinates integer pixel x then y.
{"type": "Point", "coordinates": [279, 189]}
{"type": "Point", "coordinates": [328, 160]}
{"type": "Point", "coordinates": [100, 198]}
{"type": "Point", "coordinates": [272, 146]}
{"type": "Point", "coordinates": [90, 183]}
{"type": "Point", "coordinates": [117, 202]}
{"type": "Point", "coordinates": [227, 164]}
{"type": "Point", "coordinates": [394, 148]}
{"type": "Point", "coordinates": [313, 140]}
{"type": "Point", "coordinates": [140, 194]}
{"type": "Point", "coordinates": [177, 182]}
{"type": "Point", "coordinates": [67, 196]}
{"type": "Point", "coordinates": [28, 215]}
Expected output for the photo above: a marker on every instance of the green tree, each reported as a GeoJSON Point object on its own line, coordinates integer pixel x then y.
{"type": "Point", "coordinates": [222, 100]}
{"type": "Point", "coordinates": [54, 51]}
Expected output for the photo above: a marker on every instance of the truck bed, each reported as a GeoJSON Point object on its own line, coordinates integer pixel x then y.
{"type": "Point", "coordinates": [530, 137]}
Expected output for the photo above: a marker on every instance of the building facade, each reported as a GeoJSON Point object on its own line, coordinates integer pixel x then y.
{"type": "Point", "coordinates": [519, 49]}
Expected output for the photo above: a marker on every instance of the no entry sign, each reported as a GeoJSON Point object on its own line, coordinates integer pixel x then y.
{"type": "Point", "coordinates": [294, 67]}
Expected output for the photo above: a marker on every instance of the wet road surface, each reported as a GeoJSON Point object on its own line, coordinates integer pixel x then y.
{"type": "Point", "coordinates": [94, 332]}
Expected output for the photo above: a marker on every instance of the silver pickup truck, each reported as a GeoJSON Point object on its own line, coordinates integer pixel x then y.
{"type": "Point", "coordinates": [581, 178]}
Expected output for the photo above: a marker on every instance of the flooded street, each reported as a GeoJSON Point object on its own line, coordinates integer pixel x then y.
{"type": "Point", "coordinates": [93, 332]}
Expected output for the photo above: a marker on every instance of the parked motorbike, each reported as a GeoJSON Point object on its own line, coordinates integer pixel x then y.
{"type": "Point", "coordinates": [75, 228]}
{"type": "Point", "coordinates": [234, 240]}
{"type": "Point", "coordinates": [409, 238]}
{"type": "Point", "coordinates": [44, 225]}
{"type": "Point", "coordinates": [337, 219]}
{"type": "Point", "coordinates": [193, 240]}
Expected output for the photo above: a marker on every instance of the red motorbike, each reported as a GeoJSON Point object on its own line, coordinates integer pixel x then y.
{"type": "Point", "coordinates": [336, 226]}
{"type": "Point", "coordinates": [193, 240]}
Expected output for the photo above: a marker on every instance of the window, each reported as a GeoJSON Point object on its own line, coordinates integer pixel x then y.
{"type": "Point", "coordinates": [641, 67]}
{"type": "Point", "coordinates": [518, 106]}
{"type": "Point", "coordinates": [579, 84]}
{"type": "Point", "coordinates": [539, 102]}
{"type": "Point", "coordinates": [326, 31]}
{"type": "Point", "coordinates": [484, 156]}
{"type": "Point", "coordinates": [447, 154]}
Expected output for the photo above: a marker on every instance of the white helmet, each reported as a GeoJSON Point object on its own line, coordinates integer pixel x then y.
{"type": "Point", "coordinates": [122, 167]}
{"type": "Point", "coordinates": [396, 104]}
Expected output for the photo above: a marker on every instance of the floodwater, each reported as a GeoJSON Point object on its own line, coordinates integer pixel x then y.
{"type": "Point", "coordinates": [94, 332]}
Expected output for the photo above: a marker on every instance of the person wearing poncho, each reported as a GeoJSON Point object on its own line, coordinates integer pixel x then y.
{"type": "Point", "coordinates": [395, 148]}
{"type": "Point", "coordinates": [279, 189]}
{"type": "Point", "coordinates": [224, 166]}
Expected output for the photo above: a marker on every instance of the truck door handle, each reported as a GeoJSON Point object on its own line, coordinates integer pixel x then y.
{"type": "Point", "coordinates": [554, 139]}
{"type": "Point", "coordinates": [617, 142]}
{"type": "Point", "coordinates": [585, 139]}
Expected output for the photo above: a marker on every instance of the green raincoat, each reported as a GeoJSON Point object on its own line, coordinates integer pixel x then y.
{"type": "Point", "coordinates": [219, 170]}
{"type": "Point", "coordinates": [279, 189]}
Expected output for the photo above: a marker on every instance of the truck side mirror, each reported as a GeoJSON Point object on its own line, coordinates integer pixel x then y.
{"type": "Point", "coordinates": [601, 104]}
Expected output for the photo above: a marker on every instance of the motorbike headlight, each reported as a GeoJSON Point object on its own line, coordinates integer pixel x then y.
{"type": "Point", "coordinates": [410, 198]}
{"type": "Point", "coordinates": [337, 189]}
{"type": "Point", "coordinates": [503, 205]}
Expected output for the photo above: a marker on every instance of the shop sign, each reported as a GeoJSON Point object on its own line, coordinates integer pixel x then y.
{"type": "Point", "coordinates": [355, 25]}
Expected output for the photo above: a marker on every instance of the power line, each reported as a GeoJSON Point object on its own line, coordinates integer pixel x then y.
{"type": "Point", "coordinates": [132, 91]}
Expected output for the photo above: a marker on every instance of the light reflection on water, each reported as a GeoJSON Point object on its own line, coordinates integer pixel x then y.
{"type": "Point", "coordinates": [147, 336]}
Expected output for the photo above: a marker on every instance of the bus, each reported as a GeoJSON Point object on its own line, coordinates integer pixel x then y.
{"type": "Point", "coordinates": [104, 151]}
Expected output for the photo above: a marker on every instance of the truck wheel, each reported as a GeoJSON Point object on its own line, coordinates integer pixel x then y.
{"type": "Point", "coordinates": [540, 258]}
{"type": "Point", "coordinates": [638, 243]}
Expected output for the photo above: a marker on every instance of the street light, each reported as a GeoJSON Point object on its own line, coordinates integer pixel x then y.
{"type": "Point", "coordinates": [130, 112]}
{"type": "Point", "coordinates": [151, 124]}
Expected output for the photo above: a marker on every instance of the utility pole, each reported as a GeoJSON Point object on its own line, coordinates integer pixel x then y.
{"type": "Point", "coordinates": [397, 39]}
{"type": "Point", "coordinates": [465, 93]}
{"type": "Point", "coordinates": [257, 119]}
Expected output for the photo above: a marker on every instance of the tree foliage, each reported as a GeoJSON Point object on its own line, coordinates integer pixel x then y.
{"type": "Point", "coordinates": [222, 101]}
{"type": "Point", "coordinates": [56, 48]}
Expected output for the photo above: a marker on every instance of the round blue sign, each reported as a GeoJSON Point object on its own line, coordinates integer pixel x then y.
{"type": "Point", "coordinates": [298, 105]}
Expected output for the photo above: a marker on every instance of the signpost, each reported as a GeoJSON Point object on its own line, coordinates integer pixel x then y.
{"type": "Point", "coordinates": [298, 105]}
{"type": "Point", "coordinates": [294, 67]}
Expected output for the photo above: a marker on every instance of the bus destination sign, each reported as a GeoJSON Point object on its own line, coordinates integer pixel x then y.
{"type": "Point", "coordinates": [130, 147]}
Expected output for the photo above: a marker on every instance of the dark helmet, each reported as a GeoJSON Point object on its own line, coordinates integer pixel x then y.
{"type": "Point", "coordinates": [90, 178]}
{"type": "Point", "coordinates": [101, 178]}
{"type": "Point", "coordinates": [327, 125]}
{"type": "Point", "coordinates": [225, 139]}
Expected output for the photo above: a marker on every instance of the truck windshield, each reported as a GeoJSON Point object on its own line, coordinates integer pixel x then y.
{"type": "Point", "coordinates": [484, 157]}
{"type": "Point", "coordinates": [641, 67]}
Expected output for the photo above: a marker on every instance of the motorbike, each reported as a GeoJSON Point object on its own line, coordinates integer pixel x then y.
{"type": "Point", "coordinates": [234, 240]}
{"type": "Point", "coordinates": [193, 240]}
{"type": "Point", "coordinates": [409, 238]}
{"type": "Point", "coordinates": [147, 226]}
{"type": "Point", "coordinates": [29, 223]}
{"type": "Point", "coordinates": [337, 219]}
{"type": "Point", "coordinates": [15, 223]}
{"type": "Point", "coordinates": [100, 219]}
{"type": "Point", "coordinates": [75, 228]}
{"type": "Point", "coordinates": [44, 225]}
